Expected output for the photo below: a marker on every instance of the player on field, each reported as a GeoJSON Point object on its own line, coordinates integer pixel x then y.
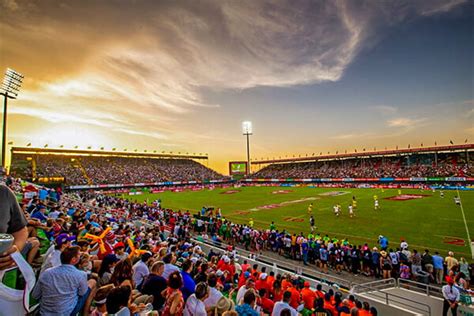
{"type": "Point", "coordinates": [311, 223]}
{"type": "Point", "coordinates": [441, 194]}
{"type": "Point", "coordinates": [354, 202]}
{"type": "Point", "coordinates": [310, 208]}
{"type": "Point", "coordinates": [457, 200]}
{"type": "Point", "coordinates": [251, 223]}
{"type": "Point", "coordinates": [351, 211]}
{"type": "Point", "coordinates": [376, 205]}
{"type": "Point", "coordinates": [336, 209]}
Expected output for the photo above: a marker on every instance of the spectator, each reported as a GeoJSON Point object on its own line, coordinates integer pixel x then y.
{"type": "Point", "coordinates": [71, 292]}
{"type": "Point", "coordinates": [284, 304]}
{"type": "Point", "coordinates": [451, 297]}
{"type": "Point", "coordinates": [174, 304]}
{"type": "Point", "coordinates": [195, 303]}
{"type": "Point", "coordinates": [13, 222]}
{"type": "Point", "coordinates": [140, 269]}
{"type": "Point", "coordinates": [105, 270]}
{"type": "Point", "coordinates": [247, 308]}
{"type": "Point", "coordinates": [188, 282]}
{"type": "Point", "coordinates": [155, 284]}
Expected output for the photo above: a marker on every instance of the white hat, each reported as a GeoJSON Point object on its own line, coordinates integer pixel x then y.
{"type": "Point", "coordinates": [219, 273]}
{"type": "Point", "coordinates": [226, 259]}
{"type": "Point", "coordinates": [263, 276]}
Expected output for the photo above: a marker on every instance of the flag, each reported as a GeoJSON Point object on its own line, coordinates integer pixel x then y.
{"type": "Point", "coordinates": [28, 145]}
{"type": "Point", "coordinates": [125, 149]}
{"type": "Point", "coordinates": [46, 145]}
{"type": "Point", "coordinates": [135, 150]}
{"type": "Point", "coordinates": [363, 149]}
{"type": "Point", "coordinates": [89, 147]}
{"type": "Point", "coordinates": [154, 151]}
{"type": "Point", "coordinates": [465, 142]}
{"type": "Point", "coordinates": [113, 149]}
{"type": "Point", "coordinates": [321, 153]}
{"type": "Point", "coordinates": [436, 143]}
{"type": "Point", "coordinates": [421, 144]}
{"type": "Point", "coordinates": [408, 146]}
{"type": "Point", "coordinates": [345, 151]}
{"type": "Point", "coordinates": [61, 146]}
{"type": "Point", "coordinates": [337, 152]}
{"type": "Point", "coordinates": [397, 147]}
{"type": "Point", "coordinates": [355, 150]}
{"type": "Point", "coordinates": [10, 143]}
{"type": "Point", "coordinates": [144, 151]}
{"type": "Point", "coordinates": [75, 147]}
{"type": "Point", "coordinates": [451, 142]}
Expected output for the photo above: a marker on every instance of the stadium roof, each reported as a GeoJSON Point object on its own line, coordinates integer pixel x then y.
{"type": "Point", "coordinates": [369, 154]}
{"type": "Point", "coordinates": [100, 153]}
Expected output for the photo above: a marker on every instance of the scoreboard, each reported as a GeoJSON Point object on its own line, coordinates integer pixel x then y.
{"type": "Point", "coordinates": [238, 168]}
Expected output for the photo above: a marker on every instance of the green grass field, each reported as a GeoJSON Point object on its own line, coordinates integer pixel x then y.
{"type": "Point", "coordinates": [430, 222]}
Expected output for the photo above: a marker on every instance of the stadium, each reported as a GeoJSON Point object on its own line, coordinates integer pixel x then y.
{"type": "Point", "coordinates": [205, 225]}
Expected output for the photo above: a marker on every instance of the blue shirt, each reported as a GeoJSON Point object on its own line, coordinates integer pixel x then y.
{"type": "Point", "coordinates": [42, 194]}
{"type": "Point", "coordinates": [189, 286]}
{"type": "Point", "coordinates": [323, 254]}
{"type": "Point", "coordinates": [58, 289]}
{"type": "Point", "coordinates": [40, 216]}
{"type": "Point", "coordinates": [437, 262]}
{"type": "Point", "coordinates": [246, 310]}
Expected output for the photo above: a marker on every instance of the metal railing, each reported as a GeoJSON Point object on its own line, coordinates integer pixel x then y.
{"type": "Point", "coordinates": [392, 299]}
{"type": "Point", "coordinates": [285, 265]}
{"type": "Point", "coordinates": [374, 285]}
{"type": "Point", "coordinates": [427, 289]}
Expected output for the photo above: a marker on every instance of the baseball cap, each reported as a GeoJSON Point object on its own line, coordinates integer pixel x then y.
{"type": "Point", "coordinates": [119, 245]}
{"type": "Point", "coordinates": [306, 284]}
{"type": "Point", "coordinates": [263, 276]}
{"type": "Point", "coordinates": [63, 238]}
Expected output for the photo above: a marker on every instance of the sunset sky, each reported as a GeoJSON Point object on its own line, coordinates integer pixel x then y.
{"type": "Point", "coordinates": [182, 75]}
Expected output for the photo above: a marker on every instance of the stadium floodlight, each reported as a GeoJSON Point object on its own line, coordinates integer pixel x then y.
{"type": "Point", "coordinates": [9, 89]}
{"type": "Point", "coordinates": [247, 131]}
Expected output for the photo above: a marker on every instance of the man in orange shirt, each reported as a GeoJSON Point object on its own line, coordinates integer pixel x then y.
{"type": "Point", "coordinates": [319, 291]}
{"type": "Point", "coordinates": [295, 296]}
{"type": "Point", "coordinates": [271, 279]}
{"type": "Point", "coordinates": [329, 306]}
{"type": "Point", "coordinates": [307, 296]}
{"type": "Point", "coordinates": [261, 283]}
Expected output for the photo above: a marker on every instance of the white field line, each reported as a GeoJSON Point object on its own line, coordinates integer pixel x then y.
{"type": "Point", "coordinates": [471, 243]}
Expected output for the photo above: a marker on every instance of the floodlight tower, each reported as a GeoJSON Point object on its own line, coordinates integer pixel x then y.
{"type": "Point", "coordinates": [9, 89]}
{"type": "Point", "coordinates": [247, 131]}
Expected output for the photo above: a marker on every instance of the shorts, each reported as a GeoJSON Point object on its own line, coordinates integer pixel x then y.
{"type": "Point", "coordinates": [324, 262]}
{"type": "Point", "coordinates": [387, 267]}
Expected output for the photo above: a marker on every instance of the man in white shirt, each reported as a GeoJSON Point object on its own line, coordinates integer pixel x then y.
{"type": "Point", "coordinates": [284, 304]}
{"type": "Point", "coordinates": [194, 304]}
{"type": "Point", "coordinates": [214, 294]}
{"type": "Point", "coordinates": [451, 297]}
{"type": "Point", "coordinates": [249, 284]}
{"type": "Point", "coordinates": [53, 255]}
{"type": "Point", "coordinates": [140, 269]}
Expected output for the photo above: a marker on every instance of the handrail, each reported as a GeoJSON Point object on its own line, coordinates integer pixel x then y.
{"type": "Point", "coordinates": [287, 266]}
{"type": "Point", "coordinates": [391, 298]}
{"type": "Point", "coordinates": [376, 285]}
{"type": "Point", "coordinates": [427, 289]}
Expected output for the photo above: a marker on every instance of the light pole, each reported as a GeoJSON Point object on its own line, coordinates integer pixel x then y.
{"type": "Point", "coordinates": [247, 131]}
{"type": "Point", "coordinates": [9, 89]}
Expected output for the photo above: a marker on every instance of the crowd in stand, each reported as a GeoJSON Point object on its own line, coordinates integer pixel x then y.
{"type": "Point", "coordinates": [398, 167]}
{"type": "Point", "coordinates": [105, 255]}
{"type": "Point", "coordinates": [113, 170]}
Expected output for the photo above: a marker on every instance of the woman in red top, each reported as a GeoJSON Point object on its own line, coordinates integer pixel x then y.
{"type": "Point", "coordinates": [174, 304]}
{"type": "Point", "coordinates": [277, 292]}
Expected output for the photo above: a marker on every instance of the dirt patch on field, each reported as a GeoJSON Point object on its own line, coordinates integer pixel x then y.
{"type": "Point", "coordinates": [293, 219]}
{"type": "Point", "coordinates": [241, 212]}
{"type": "Point", "coordinates": [230, 192]}
{"type": "Point", "coordinates": [334, 193]}
{"type": "Point", "coordinates": [406, 197]}
{"type": "Point", "coordinates": [282, 191]}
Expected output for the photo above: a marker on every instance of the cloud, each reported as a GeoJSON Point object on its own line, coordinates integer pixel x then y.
{"type": "Point", "coordinates": [384, 109]}
{"type": "Point", "coordinates": [149, 62]}
{"type": "Point", "coordinates": [405, 122]}
{"type": "Point", "coordinates": [351, 136]}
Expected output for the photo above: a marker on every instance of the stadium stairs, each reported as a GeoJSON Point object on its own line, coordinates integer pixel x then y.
{"type": "Point", "coordinates": [77, 164]}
